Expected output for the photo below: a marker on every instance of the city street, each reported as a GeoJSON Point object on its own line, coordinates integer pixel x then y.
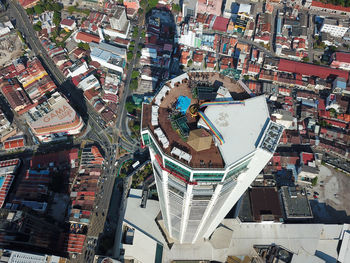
{"type": "Point", "coordinates": [91, 118]}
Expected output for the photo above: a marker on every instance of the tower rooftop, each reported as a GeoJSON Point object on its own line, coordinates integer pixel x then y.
{"type": "Point", "coordinates": [222, 106]}
{"type": "Point", "coordinates": [241, 126]}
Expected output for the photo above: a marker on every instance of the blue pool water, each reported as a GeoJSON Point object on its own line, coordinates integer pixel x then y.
{"type": "Point", "coordinates": [2, 179]}
{"type": "Point", "coordinates": [183, 103]}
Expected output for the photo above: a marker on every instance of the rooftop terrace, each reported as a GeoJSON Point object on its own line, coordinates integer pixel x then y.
{"type": "Point", "coordinates": [168, 116]}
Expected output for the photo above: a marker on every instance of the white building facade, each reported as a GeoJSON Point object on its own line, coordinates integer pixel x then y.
{"type": "Point", "coordinates": [333, 28]}
{"type": "Point", "coordinates": [194, 201]}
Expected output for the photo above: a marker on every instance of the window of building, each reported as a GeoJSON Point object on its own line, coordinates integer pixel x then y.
{"type": "Point", "coordinates": [176, 168]}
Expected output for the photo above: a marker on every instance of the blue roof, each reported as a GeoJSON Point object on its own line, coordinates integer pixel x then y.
{"type": "Point", "coordinates": [341, 84]}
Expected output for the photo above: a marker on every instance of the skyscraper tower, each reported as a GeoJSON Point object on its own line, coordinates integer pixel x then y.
{"type": "Point", "coordinates": [208, 140]}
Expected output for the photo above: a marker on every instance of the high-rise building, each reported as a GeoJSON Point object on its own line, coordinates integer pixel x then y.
{"type": "Point", "coordinates": [208, 140]}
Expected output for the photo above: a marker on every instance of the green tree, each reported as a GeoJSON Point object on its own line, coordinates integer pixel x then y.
{"type": "Point", "coordinates": [133, 84]}
{"type": "Point", "coordinates": [135, 74]}
{"type": "Point", "coordinates": [57, 7]}
{"type": "Point", "coordinates": [38, 9]}
{"type": "Point", "coordinates": [305, 59]}
{"type": "Point", "coordinates": [314, 181]}
{"type": "Point", "coordinates": [152, 3]}
{"type": "Point", "coordinates": [129, 55]}
{"type": "Point", "coordinates": [56, 18]}
{"type": "Point", "coordinates": [36, 27]}
{"type": "Point", "coordinates": [136, 127]}
{"type": "Point", "coordinates": [176, 7]}
{"type": "Point", "coordinates": [71, 9]}
{"type": "Point", "coordinates": [189, 63]}
{"type": "Point", "coordinates": [135, 33]}
{"type": "Point", "coordinates": [30, 11]}
{"type": "Point", "coordinates": [143, 3]}
{"type": "Point", "coordinates": [84, 46]}
{"type": "Point", "coordinates": [130, 107]}
{"type": "Point", "coordinates": [333, 112]}
{"type": "Point", "coordinates": [143, 34]}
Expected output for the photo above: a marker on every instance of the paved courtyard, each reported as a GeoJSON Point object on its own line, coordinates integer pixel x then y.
{"type": "Point", "coordinates": [332, 205]}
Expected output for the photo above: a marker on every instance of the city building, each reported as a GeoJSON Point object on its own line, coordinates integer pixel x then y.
{"type": "Point", "coordinates": [341, 60]}
{"type": "Point", "coordinates": [119, 23]}
{"type": "Point", "coordinates": [86, 37]}
{"type": "Point", "coordinates": [132, 6]}
{"type": "Point", "coordinates": [68, 24]}
{"type": "Point", "coordinates": [28, 3]}
{"type": "Point", "coordinates": [319, 6]}
{"type": "Point", "coordinates": [109, 56]}
{"type": "Point", "coordinates": [211, 7]}
{"type": "Point", "coordinates": [15, 96]}
{"type": "Point", "coordinates": [205, 156]}
{"type": "Point", "coordinates": [54, 119]}
{"type": "Point", "coordinates": [6, 128]}
{"type": "Point", "coordinates": [90, 82]}
{"type": "Point", "coordinates": [296, 206]}
{"type": "Point", "coordinates": [20, 230]}
{"type": "Point", "coordinates": [34, 78]}
{"type": "Point", "coordinates": [143, 240]}
{"type": "Point", "coordinates": [8, 170]}
{"type": "Point", "coordinates": [334, 27]}
{"type": "Point", "coordinates": [11, 256]}
{"type": "Point", "coordinates": [79, 67]}
{"type": "Point", "coordinates": [189, 8]}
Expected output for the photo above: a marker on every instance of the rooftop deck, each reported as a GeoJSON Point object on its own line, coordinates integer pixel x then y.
{"type": "Point", "coordinates": [202, 159]}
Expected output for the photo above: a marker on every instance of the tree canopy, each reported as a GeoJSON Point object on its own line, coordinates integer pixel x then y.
{"type": "Point", "coordinates": [38, 9]}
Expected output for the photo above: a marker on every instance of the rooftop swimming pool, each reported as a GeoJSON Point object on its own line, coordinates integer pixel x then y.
{"type": "Point", "coordinates": [2, 180]}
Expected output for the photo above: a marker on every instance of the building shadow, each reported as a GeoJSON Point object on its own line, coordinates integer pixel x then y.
{"type": "Point", "coordinates": [326, 214]}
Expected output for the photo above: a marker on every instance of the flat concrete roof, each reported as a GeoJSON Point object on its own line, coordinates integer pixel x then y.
{"type": "Point", "coordinates": [61, 113]}
{"type": "Point", "coordinates": [232, 237]}
{"type": "Point", "coordinates": [143, 218]}
{"type": "Point", "coordinates": [240, 126]}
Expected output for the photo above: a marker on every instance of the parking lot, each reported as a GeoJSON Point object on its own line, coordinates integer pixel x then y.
{"type": "Point", "coordinates": [331, 204]}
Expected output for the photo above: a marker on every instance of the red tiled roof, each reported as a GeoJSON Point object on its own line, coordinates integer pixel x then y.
{"type": "Point", "coordinates": [220, 23]}
{"type": "Point", "coordinates": [330, 6]}
{"type": "Point", "coordinates": [13, 144]}
{"type": "Point", "coordinates": [121, 41]}
{"type": "Point", "coordinates": [336, 123]}
{"type": "Point", "coordinates": [210, 65]}
{"type": "Point", "coordinates": [94, 64]}
{"type": "Point", "coordinates": [28, 3]}
{"type": "Point", "coordinates": [90, 94]}
{"type": "Point", "coordinates": [342, 57]}
{"type": "Point", "coordinates": [310, 69]}
{"type": "Point", "coordinates": [111, 97]}
{"type": "Point", "coordinates": [307, 157]}
{"type": "Point", "coordinates": [86, 37]}
{"type": "Point", "coordinates": [67, 22]}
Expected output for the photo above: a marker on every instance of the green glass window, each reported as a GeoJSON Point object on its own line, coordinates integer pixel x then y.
{"type": "Point", "coordinates": [238, 169]}
{"type": "Point", "coordinates": [146, 139]}
{"type": "Point", "coordinates": [172, 166]}
{"type": "Point", "coordinates": [208, 176]}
